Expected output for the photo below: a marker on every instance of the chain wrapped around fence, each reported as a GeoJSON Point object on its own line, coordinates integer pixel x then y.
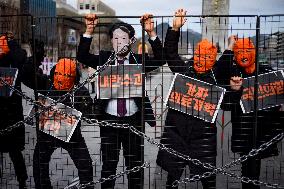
{"type": "Point", "coordinates": [197, 162]}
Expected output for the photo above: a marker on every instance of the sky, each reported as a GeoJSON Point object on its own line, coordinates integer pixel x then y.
{"type": "Point", "coordinates": [193, 7]}
{"type": "Point", "coordinates": [167, 7]}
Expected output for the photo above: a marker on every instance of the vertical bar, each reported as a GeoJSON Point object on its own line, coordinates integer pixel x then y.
{"type": "Point", "coordinates": [256, 81]}
{"type": "Point", "coordinates": [143, 96]}
{"type": "Point", "coordinates": [35, 89]}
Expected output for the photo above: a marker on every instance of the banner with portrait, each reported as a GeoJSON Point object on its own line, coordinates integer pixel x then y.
{"type": "Point", "coordinates": [60, 121]}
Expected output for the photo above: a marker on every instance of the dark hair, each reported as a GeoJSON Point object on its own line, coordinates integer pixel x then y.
{"type": "Point", "coordinates": [124, 27]}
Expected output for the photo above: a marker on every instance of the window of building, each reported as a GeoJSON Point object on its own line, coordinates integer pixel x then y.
{"type": "Point", "coordinates": [87, 6]}
{"type": "Point", "coordinates": [93, 7]}
{"type": "Point", "coordinates": [81, 6]}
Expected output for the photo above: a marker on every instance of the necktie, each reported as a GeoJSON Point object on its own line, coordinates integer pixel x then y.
{"type": "Point", "coordinates": [121, 102]}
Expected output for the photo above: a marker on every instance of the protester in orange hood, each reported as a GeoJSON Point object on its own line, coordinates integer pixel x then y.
{"type": "Point", "coordinates": [63, 77]}
{"type": "Point", "coordinates": [64, 74]}
{"type": "Point", "coordinates": [204, 56]}
{"type": "Point", "coordinates": [4, 49]}
{"type": "Point", "coordinates": [11, 110]}
{"type": "Point", "coordinates": [244, 53]}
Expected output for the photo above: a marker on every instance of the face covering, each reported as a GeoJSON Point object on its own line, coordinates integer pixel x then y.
{"type": "Point", "coordinates": [204, 56]}
{"type": "Point", "coordinates": [244, 53]}
{"type": "Point", "coordinates": [64, 74]}
{"type": "Point", "coordinates": [4, 49]}
{"type": "Point", "coordinates": [119, 40]}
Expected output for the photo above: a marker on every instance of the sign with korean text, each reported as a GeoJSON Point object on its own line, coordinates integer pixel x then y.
{"type": "Point", "coordinates": [195, 97]}
{"type": "Point", "coordinates": [270, 91]}
{"type": "Point", "coordinates": [59, 122]}
{"type": "Point", "coordinates": [9, 75]}
{"type": "Point", "coordinates": [122, 81]}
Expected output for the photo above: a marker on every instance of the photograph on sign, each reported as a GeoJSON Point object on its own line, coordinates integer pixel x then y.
{"type": "Point", "coordinates": [59, 122]}
{"type": "Point", "coordinates": [9, 75]}
{"type": "Point", "coordinates": [122, 81]}
{"type": "Point", "coordinates": [270, 91]}
{"type": "Point", "coordinates": [194, 97]}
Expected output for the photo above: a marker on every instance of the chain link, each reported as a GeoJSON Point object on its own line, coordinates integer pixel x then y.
{"type": "Point", "coordinates": [112, 58]}
{"type": "Point", "coordinates": [161, 146]}
{"type": "Point", "coordinates": [252, 153]}
{"type": "Point", "coordinates": [120, 174]}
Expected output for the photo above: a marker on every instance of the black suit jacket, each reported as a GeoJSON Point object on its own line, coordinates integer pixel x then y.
{"type": "Point", "coordinates": [151, 64]}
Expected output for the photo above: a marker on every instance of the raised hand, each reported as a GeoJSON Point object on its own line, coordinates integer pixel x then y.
{"type": "Point", "coordinates": [148, 21]}
{"type": "Point", "coordinates": [179, 19]}
{"type": "Point", "coordinates": [91, 21]}
{"type": "Point", "coordinates": [236, 83]}
{"type": "Point", "coordinates": [231, 42]}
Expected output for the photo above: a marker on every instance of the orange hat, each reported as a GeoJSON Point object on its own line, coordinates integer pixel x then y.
{"type": "Point", "coordinates": [204, 56]}
{"type": "Point", "coordinates": [64, 74]}
{"type": "Point", "coordinates": [4, 48]}
{"type": "Point", "coordinates": [244, 53]}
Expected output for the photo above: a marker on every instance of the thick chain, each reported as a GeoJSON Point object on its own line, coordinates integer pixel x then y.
{"type": "Point", "coordinates": [252, 153]}
{"type": "Point", "coordinates": [161, 146]}
{"type": "Point", "coordinates": [29, 118]}
{"type": "Point", "coordinates": [112, 58]}
{"type": "Point", "coordinates": [197, 178]}
{"type": "Point", "coordinates": [113, 177]}
{"type": "Point", "coordinates": [214, 169]}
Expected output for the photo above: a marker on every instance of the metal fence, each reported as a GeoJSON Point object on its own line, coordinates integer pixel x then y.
{"type": "Point", "coordinates": [61, 36]}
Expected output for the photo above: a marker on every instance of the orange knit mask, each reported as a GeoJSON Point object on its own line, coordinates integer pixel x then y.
{"type": "Point", "coordinates": [4, 49]}
{"type": "Point", "coordinates": [204, 56]}
{"type": "Point", "coordinates": [64, 74]}
{"type": "Point", "coordinates": [244, 53]}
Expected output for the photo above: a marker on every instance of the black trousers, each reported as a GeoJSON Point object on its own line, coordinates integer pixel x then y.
{"type": "Point", "coordinates": [208, 183]}
{"type": "Point", "coordinates": [133, 151]}
{"type": "Point", "coordinates": [190, 136]}
{"type": "Point", "coordinates": [77, 150]}
{"type": "Point", "coordinates": [19, 165]}
{"type": "Point", "coordinates": [251, 169]}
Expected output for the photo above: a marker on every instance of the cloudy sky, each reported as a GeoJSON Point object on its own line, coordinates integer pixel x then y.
{"type": "Point", "coordinates": [194, 7]}
{"type": "Point", "coordinates": [167, 7]}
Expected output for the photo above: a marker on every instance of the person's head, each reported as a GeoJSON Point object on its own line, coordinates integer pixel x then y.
{"type": "Point", "coordinates": [64, 74]}
{"type": "Point", "coordinates": [120, 34]}
{"type": "Point", "coordinates": [204, 56]}
{"type": "Point", "coordinates": [4, 48]}
{"type": "Point", "coordinates": [244, 53]}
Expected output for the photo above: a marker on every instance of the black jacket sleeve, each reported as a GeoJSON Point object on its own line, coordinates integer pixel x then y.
{"type": "Point", "coordinates": [83, 54]}
{"type": "Point", "coordinates": [17, 55]}
{"type": "Point", "coordinates": [31, 77]}
{"type": "Point", "coordinates": [225, 70]}
{"type": "Point", "coordinates": [158, 59]}
{"type": "Point", "coordinates": [176, 64]}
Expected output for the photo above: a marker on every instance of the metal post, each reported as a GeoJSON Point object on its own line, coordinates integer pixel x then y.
{"type": "Point", "coordinates": [256, 82]}
{"type": "Point", "coordinates": [143, 94]}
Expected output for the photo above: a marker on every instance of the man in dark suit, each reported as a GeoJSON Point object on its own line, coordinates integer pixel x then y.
{"type": "Point", "coordinates": [126, 110]}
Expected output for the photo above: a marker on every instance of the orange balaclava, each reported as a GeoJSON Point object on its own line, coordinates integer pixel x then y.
{"type": "Point", "coordinates": [244, 53]}
{"type": "Point", "coordinates": [4, 49]}
{"type": "Point", "coordinates": [204, 56]}
{"type": "Point", "coordinates": [64, 74]}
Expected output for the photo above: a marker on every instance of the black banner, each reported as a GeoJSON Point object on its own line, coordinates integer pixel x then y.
{"type": "Point", "coordinates": [270, 91]}
{"type": "Point", "coordinates": [195, 97]}
{"type": "Point", "coordinates": [122, 81]}
{"type": "Point", "coordinates": [60, 122]}
{"type": "Point", "coordinates": [9, 75]}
